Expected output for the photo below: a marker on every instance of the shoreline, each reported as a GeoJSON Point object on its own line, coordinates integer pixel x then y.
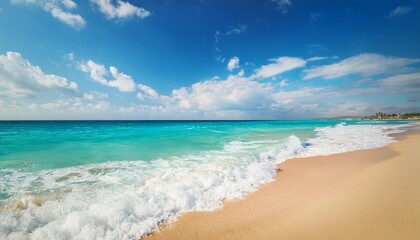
{"type": "Point", "coordinates": [362, 194]}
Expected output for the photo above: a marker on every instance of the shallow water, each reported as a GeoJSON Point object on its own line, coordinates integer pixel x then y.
{"type": "Point", "coordinates": [119, 179]}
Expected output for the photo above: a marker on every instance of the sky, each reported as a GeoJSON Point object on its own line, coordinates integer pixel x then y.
{"type": "Point", "coordinates": [208, 59]}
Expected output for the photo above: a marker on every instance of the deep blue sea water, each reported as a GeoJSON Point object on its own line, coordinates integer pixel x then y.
{"type": "Point", "coordinates": [119, 179]}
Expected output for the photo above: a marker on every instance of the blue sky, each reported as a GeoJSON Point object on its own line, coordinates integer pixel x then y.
{"type": "Point", "coordinates": [267, 59]}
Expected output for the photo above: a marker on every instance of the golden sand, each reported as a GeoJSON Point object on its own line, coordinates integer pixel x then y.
{"type": "Point", "coordinates": [369, 194]}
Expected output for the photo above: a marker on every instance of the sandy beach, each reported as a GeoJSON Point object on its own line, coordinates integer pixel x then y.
{"type": "Point", "coordinates": [368, 194]}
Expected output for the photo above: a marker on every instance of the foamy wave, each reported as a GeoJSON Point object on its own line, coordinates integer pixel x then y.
{"type": "Point", "coordinates": [125, 200]}
{"type": "Point", "coordinates": [345, 138]}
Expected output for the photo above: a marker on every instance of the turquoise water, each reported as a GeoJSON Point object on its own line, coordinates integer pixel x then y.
{"type": "Point", "coordinates": [56, 144]}
{"type": "Point", "coordinates": [57, 177]}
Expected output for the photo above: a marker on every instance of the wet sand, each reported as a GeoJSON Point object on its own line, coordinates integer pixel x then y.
{"type": "Point", "coordinates": [368, 194]}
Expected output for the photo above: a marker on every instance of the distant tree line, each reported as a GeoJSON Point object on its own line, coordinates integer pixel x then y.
{"type": "Point", "coordinates": [382, 115]}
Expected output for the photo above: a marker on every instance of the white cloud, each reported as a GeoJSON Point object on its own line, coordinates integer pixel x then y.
{"type": "Point", "coordinates": [94, 95]}
{"type": "Point", "coordinates": [312, 59]}
{"type": "Point", "coordinates": [122, 81]}
{"type": "Point", "coordinates": [55, 7]}
{"type": "Point", "coordinates": [73, 20]}
{"type": "Point", "coordinates": [69, 4]}
{"type": "Point", "coordinates": [122, 10]}
{"type": "Point", "coordinates": [400, 10]}
{"type": "Point", "coordinates": [280, 65]}
{"type": "Point", "coordinates": [285, 97]}
{"type": "Point", "coordinates": [74, 105]}
{"type": "Point", "coordinates": [234, 97]}
{"type": "Point", "coordinates": [67, 108]}
{"type": "Point", "coordinates": [401, 83]}
{"type": "Point", "coordinates": [283, 5]}
{"type": "Point", "coordinates": [283, 83]}
{"type": "Point", "coordinates": [99, 95]}
{"type": "Point", "coordinates": [233, 63]}
{"type": "Point", "coordinates": [88, 96]}
{"type": "Point", "coordinates": [366, 64]}
{"type": "Point", "coordinates": [80, 106]}
{"type": "Point", "coordinates": [18, 77]}
{"type": "Point", "coordinates": [59, 104]}
{"type": "Point", "coordinates": [97, 72]}
{"type": "Point", "coordinates": [242, 96]}
{"type": "Point", "coordinates": [146, 92]}
{"type": "Point", "coordinates": [127, 110]}
{"type": "Point", "coordinates": [240, 28]}
{"type": "Point", "coordinates": [233, 93]}
{"type": "Point", "coordinates": [239, 97]}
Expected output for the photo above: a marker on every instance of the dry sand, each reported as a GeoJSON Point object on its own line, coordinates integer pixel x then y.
{"type": "Point", "coordinates": [369, 194]}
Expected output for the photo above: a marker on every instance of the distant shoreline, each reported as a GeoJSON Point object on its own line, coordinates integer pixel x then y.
{"type": "Point", "coordinates": [393, 119]}
{"type": "Point", "coordinates": [207, 120]}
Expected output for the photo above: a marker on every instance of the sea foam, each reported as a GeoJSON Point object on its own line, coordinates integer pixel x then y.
{"type": "Point", "coordinates": [128, 199]}
{"type": "Point", "coordinates": [345, 138]}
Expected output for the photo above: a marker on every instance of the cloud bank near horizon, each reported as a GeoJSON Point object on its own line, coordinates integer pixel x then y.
{"type": "Point", "coordinates": [259, 95]}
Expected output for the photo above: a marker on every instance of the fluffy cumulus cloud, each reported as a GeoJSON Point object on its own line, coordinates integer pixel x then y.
{"type": "Point", "coordinates": [239, 96]}
{"type": "Point", "coordinates": [69, 4]}
{"type": "Point", "coordinates": [233, 93]}
{"type": "Point", "coordinates": [120, 9]}
{"type": "Point", "coordinates": [18, 77]}
{"type": "Point", "coordinates": [279, 65]}
{"type": "Point", "coordinates": [366, 64]}
{"type": "Point", "coordinates": [232, 64]}
{"type": "Point", "coordinates": [122, 81]}
{"type": "Point", "coordinates": [400, 10]}
{"type": "Point", "coordinates": [146, 92]}
{"type": "Point", "coordinates": [235, 97]}
{"type": "Point", "coordinates": [73, 20]}
{"type": "Point", "coordinates": [245, 97]}
{"type": "Point", "coordinates": [63, 10]}
{"type": "Point", "coordinates": [59, 9]}
{"type": "Point", "coordinates": [98, 72]}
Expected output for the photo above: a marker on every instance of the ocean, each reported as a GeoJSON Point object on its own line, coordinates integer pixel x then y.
{"type": "Point", "coordinates": [121, 179]}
